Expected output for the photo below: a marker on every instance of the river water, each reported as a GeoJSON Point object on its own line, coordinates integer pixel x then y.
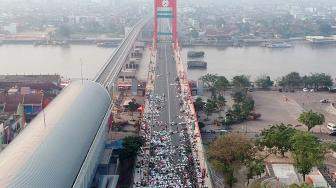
{"type": "Point", "coordinates": [27, 59]}
{"type": "Point", "coordinates": [255, 61]}
{"type": "Point", "coordinates": [252, 61]}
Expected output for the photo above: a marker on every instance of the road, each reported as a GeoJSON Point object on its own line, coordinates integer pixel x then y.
{"type": "Point", "coordinates": [174, 153]}
{"type": "Point", "coordinates": [109, 72]}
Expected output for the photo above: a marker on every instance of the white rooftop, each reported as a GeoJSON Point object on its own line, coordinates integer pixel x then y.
{"type": "Point", "coordinates": [286, 173]}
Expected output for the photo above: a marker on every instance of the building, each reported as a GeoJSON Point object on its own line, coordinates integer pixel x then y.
{"type": "Point", "coordinates": [62, 146]}
{"type": "Point", "coordinates": [11, 28]}
{"type": "Point", "coordinates": [49, 84]}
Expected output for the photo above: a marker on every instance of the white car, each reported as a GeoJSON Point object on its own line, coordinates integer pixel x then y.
{"type": "Point", "coordinates": [324, 101]}
{"type": "Point", "coordinates": [331, 126]}
{"type": "Point", "coordinates": [305, 90]}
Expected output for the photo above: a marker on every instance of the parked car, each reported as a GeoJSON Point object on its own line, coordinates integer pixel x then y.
{"type": "Point", "coordinates": [224, 131]}
{"type": "Point", "coordinates": [331, 126]}
{"type": "Point", "coordinates": [324, 101]}
{"type": "Point", "coordinates": [332, 134]}
{"type": "Point", "coordinates": [305, 90]}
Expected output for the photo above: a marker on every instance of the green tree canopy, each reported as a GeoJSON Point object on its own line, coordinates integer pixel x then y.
{"type": "Point", "coordinates": [210, 107]}
{"type": "Point", "coordinates": [307, 152]}
{"type": "Point", "coordinates": [199, 104]}
{"type": "Point", "coordinates": [255, 167]}
{"type": "Point", "coordinates": [221, 102]}
{"type": "Point", "coordinates": [133, 106]}
{"type": "Point", "coordinates": [320, 80]}
{"type": "Point", "coordinates": [291, 80]}
{"type": "Point", "coordinates": [241, 81]}
{"type": "Point", "coordinates": [227, 153]}
{"type": "Point", "coordinates": [209, 81]}
{"type": "Point", "coordinates": [264, 82]}
{"type": "Point", "coordinates": [278, 137]}
{"type": "Point", "coordinates": [132, 145]}
{"type": "Point", "coordinates": [221, 85]}
{"type": "Point", "coordinates": [311, 119]}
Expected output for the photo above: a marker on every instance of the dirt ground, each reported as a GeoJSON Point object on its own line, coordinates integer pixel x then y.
{"type": "Point", "coordinates": [276, 107]}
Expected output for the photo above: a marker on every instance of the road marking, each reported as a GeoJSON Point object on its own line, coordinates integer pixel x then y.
{"type": "Point", "coordinates": [167, 85]}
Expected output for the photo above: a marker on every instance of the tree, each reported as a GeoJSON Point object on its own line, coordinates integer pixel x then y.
{"type": "Point", "coordinates": [133, 106]}
{"type": "Point", "coordinates": [238, 96]}
{"type": "Point", "coordinates": [277, 137]}
{"type": "Point", "coordinates": [227, 153]}
{"type": "Point", "coordinates": [242, 107]}
{"type": "Point", "coordinates": [132, 145]}
{"type": "Point", "coordinates": [255, 167]}
{"type": "Point", "coordinates": [320, 80]}
{"type": "Point", "coordinates": [221, 85]}
{"type": "Point", "coordinates": [264, 82]}
{"type": "Point", "coordinates": [199, 104]}
{"type": "Point", "coordinates": [291, 80]}
{"type": "Point", "coordinates": [307, 152]}
{"type": "Point", "coordinates": [307, 81]}
{"type": "Point", "coordinates": [317, 80]}
{"type": "Point", "coordinates": [221, 102]}
{"type": "Point", "coordinates": [241, 81]}
{"type": "Point", "coordinates": [209, 81]}
{"type": "Point", "coordinates": [311, 119]}
{"type": "Point", "coordinates": [210, 107]}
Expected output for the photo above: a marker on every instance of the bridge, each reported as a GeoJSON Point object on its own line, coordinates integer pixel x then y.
{"type": "Point", "coordinates": [108, 74]}
{"type": "Point", "coordinates": [62, 145]}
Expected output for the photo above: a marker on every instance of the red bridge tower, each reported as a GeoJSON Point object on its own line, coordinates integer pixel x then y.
{"type": "Point", "coordinates": [165, 9]}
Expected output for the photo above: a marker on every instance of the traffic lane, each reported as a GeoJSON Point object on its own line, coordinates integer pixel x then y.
{"type": "Point", "coordinates": [174, 100]}
{"type": "Point", "coordinates": [165, 61]}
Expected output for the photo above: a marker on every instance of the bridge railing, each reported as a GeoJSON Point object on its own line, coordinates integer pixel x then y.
{"type": "Point", "coordinates": [98, 77]}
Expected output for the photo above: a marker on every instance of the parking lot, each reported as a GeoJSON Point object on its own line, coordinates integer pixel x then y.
{"type": "Point", "coordinates": [277, 107]}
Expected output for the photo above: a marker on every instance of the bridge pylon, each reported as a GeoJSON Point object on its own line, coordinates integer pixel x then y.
{"type": "Point", "coordinates": [165, 9]}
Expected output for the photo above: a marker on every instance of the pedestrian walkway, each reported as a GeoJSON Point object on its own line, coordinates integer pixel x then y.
{"type": "Point", "coordinates": [193, 128]}
{"type": "Point", "coordinates": [140, 173]}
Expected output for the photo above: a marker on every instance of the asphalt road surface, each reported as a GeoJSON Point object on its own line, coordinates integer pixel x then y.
{"type": "Point", "coordinates": [171, 119]}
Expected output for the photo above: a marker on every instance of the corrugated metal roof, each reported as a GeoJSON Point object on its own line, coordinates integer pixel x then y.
{"type": "Point", "coordinates": [34, 98]}
{"type": "Point", "coordinates": [30, 78]}
{"type": "Point", "coordinates": [50, 154]}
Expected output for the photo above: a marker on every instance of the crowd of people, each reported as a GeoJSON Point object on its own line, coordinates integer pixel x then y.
{"type": "Point", "coordinates": [170, 155]}
{"type": "Point", "coordinates": [167, 158]}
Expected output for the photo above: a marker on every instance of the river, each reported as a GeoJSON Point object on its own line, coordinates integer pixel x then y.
{"type": "Point", "coordinates": [255, 61]}
{"type": "Point", "coordinates": [252, 61]}
{"type": "Point", "coordinates": [28, 59]}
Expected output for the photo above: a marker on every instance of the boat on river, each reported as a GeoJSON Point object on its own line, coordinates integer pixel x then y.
{"type": "Point", "coordinates": [278, 45]}
{"type": "Point", "coordinates": [197, 64]}
{"type": "Point", "coordinates": [196, 54]}
{"type": "Point", "coordinates": [108, 44]}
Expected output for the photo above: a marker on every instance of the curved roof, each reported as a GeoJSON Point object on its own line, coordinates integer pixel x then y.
{"type": "Point", "coordinates": [51, 150]}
